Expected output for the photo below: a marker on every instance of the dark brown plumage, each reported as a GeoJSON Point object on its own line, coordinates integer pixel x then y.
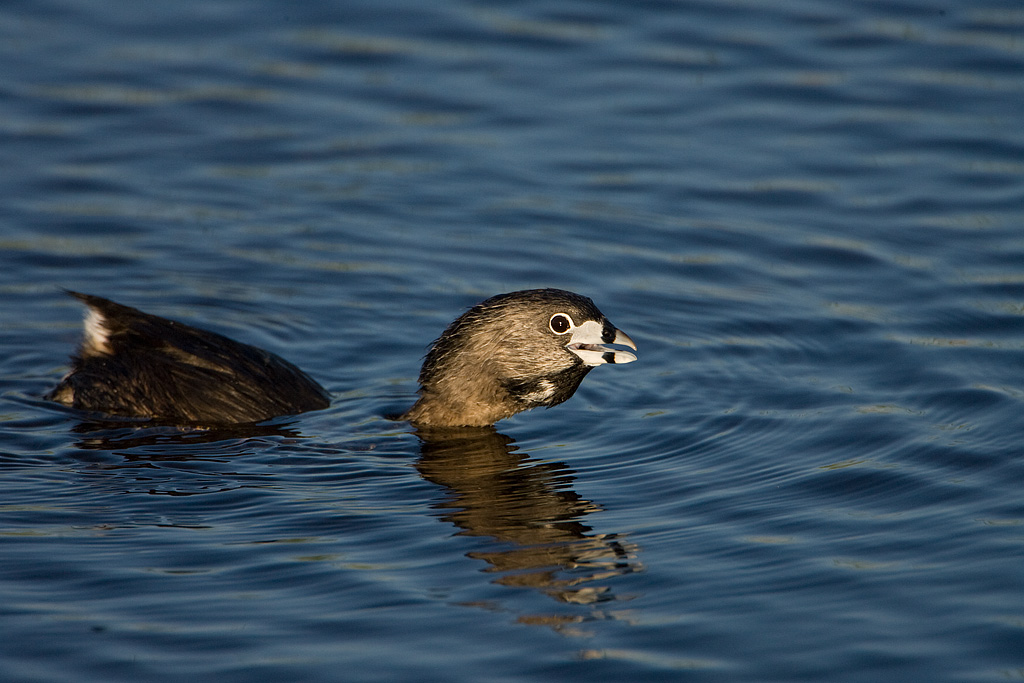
{"type": "Point", "coordinates": [133, 364]}
{"type": "Point", "coordinates": [510, 353]}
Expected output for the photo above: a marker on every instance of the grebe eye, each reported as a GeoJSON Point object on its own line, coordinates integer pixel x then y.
{"type": "Point", "coordinates": [560, 323]}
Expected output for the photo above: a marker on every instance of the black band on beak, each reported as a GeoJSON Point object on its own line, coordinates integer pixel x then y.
{"type": "Point", "coordinates": [608, 333]}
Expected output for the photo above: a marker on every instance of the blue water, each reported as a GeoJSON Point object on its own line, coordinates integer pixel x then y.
{"type": "Point", "coordinates": [808, 216]}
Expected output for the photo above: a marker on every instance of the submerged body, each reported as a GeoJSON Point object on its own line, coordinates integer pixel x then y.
{"type": "Point", "coordinates": [510, 353]}
{"type": "Point", "coordinates": [133, 364]}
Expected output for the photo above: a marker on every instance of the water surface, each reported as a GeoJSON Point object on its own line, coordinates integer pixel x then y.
{"type": "Point", "coordinates": [808, 216]}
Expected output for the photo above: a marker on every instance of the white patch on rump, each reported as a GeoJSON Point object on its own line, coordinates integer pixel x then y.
{"type": "Point", "coordinates": [96, 334]}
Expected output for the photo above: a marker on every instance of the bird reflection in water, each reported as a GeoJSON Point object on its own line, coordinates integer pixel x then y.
{"type": "Point", "coordinates": [145, 439]}
{"type": "Point", "coordinates": [529, 508]}
{"type": "Point", "coordinates": [525, 506]}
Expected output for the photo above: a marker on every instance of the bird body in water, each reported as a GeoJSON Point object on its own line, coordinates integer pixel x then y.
{"type": "Point", "coordinates": [133, 364]}
{"type": "Point", "coordinates": [508, 354]}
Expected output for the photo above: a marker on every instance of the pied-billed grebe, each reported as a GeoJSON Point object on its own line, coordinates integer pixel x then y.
{"type": "Point", "coordinates": [507, 354]}
{"type": "Point", "coordinates": [511, 353]}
